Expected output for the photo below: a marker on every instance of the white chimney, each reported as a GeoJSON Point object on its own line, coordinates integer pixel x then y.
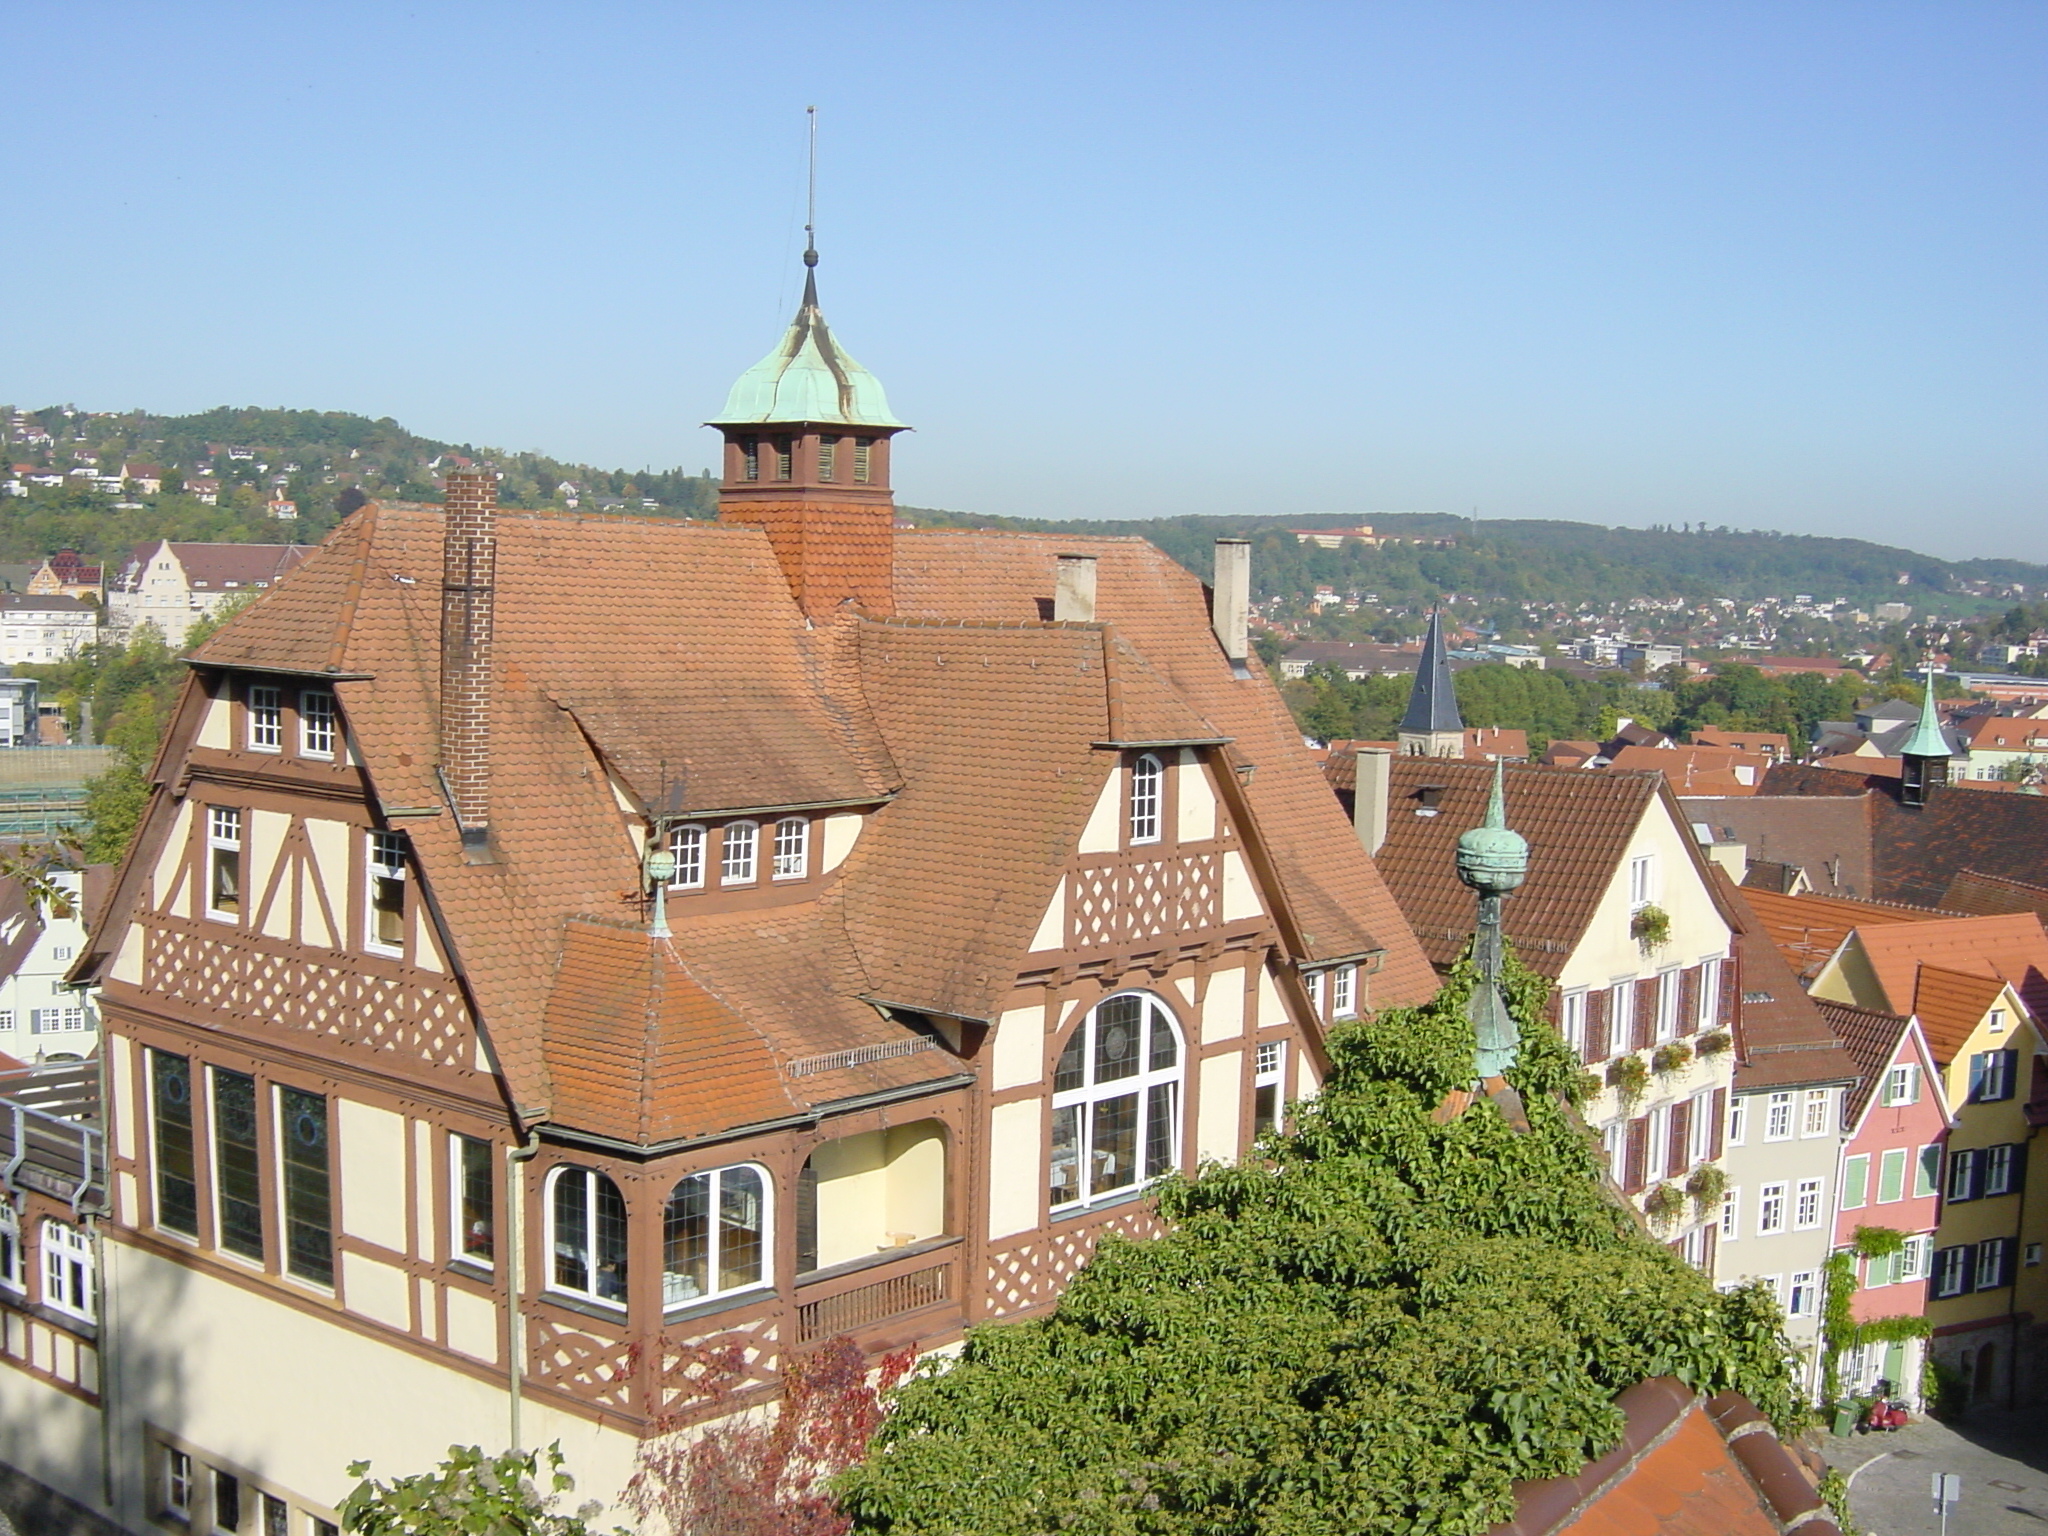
{"type": "Point", "coordinates": [1369, 796]}
{"type": "Point", "coordinates": [1230, 605]}
{"type": "Point", "coordinates": [1073, 593]}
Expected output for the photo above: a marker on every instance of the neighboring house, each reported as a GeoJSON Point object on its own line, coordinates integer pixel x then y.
{"type": "Point", "coordinates": [1897, 1120]}
{"type": "Point", "coordinates": [41, 629]}
{"type": "Point", "coordinates": [538, 1013]}
{"type": "Point", "coordinates": [1697, 769]}
{"type": "Point", "coordinates": [174, 586]}
{"type": "Point", "coordinates": [1607, 851]}
{"type": "Point", "coordinates": [2000, 747]}
{"type": "Point", "coordinates": [41, 1019]}
{"type": "Point", "coordinates": [66, 574]}
{"type": "Point", "coordinates": [19, 711]}
{"type": "Point", "coordinates": [1977, 985]}
{"type": "Point", "coordinates": [1770, 744]}
{"type": "Point", "coordinates": [1784, 1140]}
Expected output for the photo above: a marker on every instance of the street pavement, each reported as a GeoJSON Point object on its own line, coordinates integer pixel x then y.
{"type": "Point", "coordinates": [2002, 1459]}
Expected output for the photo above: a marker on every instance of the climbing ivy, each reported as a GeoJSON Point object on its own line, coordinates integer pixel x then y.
{"type": "Point", "coordinates": [1840, 1332]}
{"type": "Point", "coordinates": [1378, 1329]}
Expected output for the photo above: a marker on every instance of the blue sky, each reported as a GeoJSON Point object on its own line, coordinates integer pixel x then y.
{"type": "Point", "coordinates": [1766, 265]}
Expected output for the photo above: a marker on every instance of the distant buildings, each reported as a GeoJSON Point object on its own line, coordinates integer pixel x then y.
{"type": "Point", "coordinates": [174, 586]}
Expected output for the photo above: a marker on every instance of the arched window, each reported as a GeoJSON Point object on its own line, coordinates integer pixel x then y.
{"type": "Point", "coordinates": [687, 844]}
{"type": "Point", "coordinates": [1148, 778]}
{"type": "Point", "coordinates": [1116, 1100]}
{"type": "Point", "coordinates": [587, 1235]}
{"type": "Point", "coordinates": [792, 847]}
{"type": "Point", "coordinates": [739, 853]}
{"type": "Point", "coordinates": [714, 1235]}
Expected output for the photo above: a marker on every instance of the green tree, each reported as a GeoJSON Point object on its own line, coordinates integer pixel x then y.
{"type": "Point", "coordinates": [469, 1494]}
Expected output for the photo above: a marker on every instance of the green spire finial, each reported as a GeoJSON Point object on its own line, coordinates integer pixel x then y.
{"type": "Point", "coordinates": [1492, 858]}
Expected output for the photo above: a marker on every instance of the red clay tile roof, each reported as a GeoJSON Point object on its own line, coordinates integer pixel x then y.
{"type": "Point", "coordinates": [1698, 770]}
{"type": "Point", "coordinates": [1950, 1005]}
{"type": "Point", "coordinates": [1809, 929]}
{"type": "Point", "coordinates": [2012, 947]}
{"type": "Point", "coordinates": [1979, 894]}
{"type": "Point", "coordinates": [1871, 1037]}
{"type": "Point", "coordinates": [1784, 1038]}
{"type": "Point", "coordinates": [1578, 825]}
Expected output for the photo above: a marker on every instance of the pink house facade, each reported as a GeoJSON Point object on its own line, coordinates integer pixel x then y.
{"type": "Point", "coordinates": [1897, 1122]}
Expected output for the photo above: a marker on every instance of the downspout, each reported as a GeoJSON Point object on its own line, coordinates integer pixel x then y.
{"type": "Point", "coordinates": [2018, 1260]}
{"type": "Point", "coordinates": [103, 1298]}
{"type": "Point", "coordinates": [516, 1159]}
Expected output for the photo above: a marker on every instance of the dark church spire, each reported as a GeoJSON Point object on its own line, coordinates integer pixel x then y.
{"type": "Point", "coordinates": [1432, 727]}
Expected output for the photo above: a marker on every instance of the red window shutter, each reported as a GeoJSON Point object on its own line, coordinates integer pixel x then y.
{"type": "Point", "coordinates": [1637, 1156]}
{"type": "Point", "coordinates": [1646, 1013]}
{"type": "Point", "coordinates": [1596, 1027]}
{"type": "Point", "coordinates": [1681, 1138]}
{"type": "Point", "coordinates": [1731, 988]}
{"type": "Point", "coordinates": [1720, 1122]}
{"type": "Point", "coordinates": [1689, 1000]}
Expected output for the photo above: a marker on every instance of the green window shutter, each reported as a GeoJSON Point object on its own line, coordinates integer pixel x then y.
{"type": "Point", "coordinates": [1927, 1178]}
{"type": "Point", "coordinates": [1881, 1269]}
{"type": "Point", "coordinates": [1891, 1175]}
{"type": "Point", "coordinates": [1855, 1181]}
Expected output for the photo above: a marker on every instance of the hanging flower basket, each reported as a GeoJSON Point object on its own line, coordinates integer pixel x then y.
{"type": "Point", "coordinates": [1709, 1182]}
{"type": "Point", "coordinates": [1650, 928]}
{"type": "Point", "coordinates": [1715, 1043]}
{"type": "Point", "coordinates": [1673, 1056]}
{"type": "Point", "coordinates": [1664, 1204]}
{"type": "Point", "coordinates": [1628, 1077]}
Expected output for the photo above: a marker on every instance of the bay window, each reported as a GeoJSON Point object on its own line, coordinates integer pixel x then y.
{"type": "Point", "coordinates": [714, 1235]}
{"type": "Point", "coordinates": [1116, 1100]}
{"type": "Point", "coordinates": [587, 1236]}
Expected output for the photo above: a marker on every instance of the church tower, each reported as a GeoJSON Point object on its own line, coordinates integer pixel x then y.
{"type": "Point", "coordinates": [807, 438]}
{"type": "Point", "coordinates": [1432, 727]}
{"type": "Point", "coordinates": [1923, 759]}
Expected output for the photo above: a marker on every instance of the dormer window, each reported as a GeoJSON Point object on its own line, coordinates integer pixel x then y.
{"type": "Point", "coordinates": [266, 721]}
{"type": "Point", "coordinates": [385, 920]}
{"type": "Point", "coordinates": [739, 853]}
{"type": "Point", "coordinates": [316, 723]}
{"type": "Point", "coordinates": [687, 845]}
{"type": "Point", "coordinates": [792, 848]}
{"type": "Point", "coordinates": [1148, 778]}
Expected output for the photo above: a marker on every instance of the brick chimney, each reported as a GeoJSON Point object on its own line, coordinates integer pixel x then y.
{"type": "Point", "coordinates": [469, 567]}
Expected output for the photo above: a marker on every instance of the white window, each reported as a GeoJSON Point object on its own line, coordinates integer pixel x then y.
{"type": "Point", "coordinates": [67, 1270]}
{"type": "Point", "coordinates": [471, 1202]}
{"type": "Point", "coordinates": [1667, 1005]}
{"type": "Point", "coordinates": [1775, 1284]}
{"type": "Point", "coordinates": [227, 1502]}
{"type": "Point", "coordinates": [2001, 1169]}
{"type": "Point", "coordinates": [1902, 1084]}
{"type": "Point", "coordinates": [1952, 1270]}
{"type": "Point", "coordinates": [1770, 1210]}
{"type": "Point", "coordinates": [1992, 1257]}
{"type": "Point", "coordinates": [1702, 1123]}
{"type": "Point", "coordinates": [1710, 994]}
{"type": "Point", "coordinates": [1269, 1076]}
{"type": "Point", "coordinates": [1991, 1075]}
{"type": "Point", "coordinates": [1573, 1016]}
{"type": "Point", "coordinates": [741, 845]}
{"type": "Point", "coordinates": [1344, 992]}
{"type": "Point", "coordinates": [1314, 983]}
{"type": "Point", "coordinates": [6, 1018]}
{"type": "Point", "coordinates": [792, 848]}
{"type": "Point", "coordinates": [1738, 1119]}
{"type": "Point", "coordinates": [1116, 1100]}
{"type": "Point", "coordinates": [587, 1236]}
{"type": "Point", "coordinates": [1621, 1013]}
{"type": "Point", "coordinates": [714, 1235]}
{"type": "Point", "coordinates": [1642, 881]}
{"type": "Point", "coordinates": [1148, 779]}
{"type": "Point", "coordinates": [266, 721]}
{"type": "Point", "coordinates": [686, 843]}
{"type": "Point", "coordinates": [384, 922]}
{"type": "Point", "coordinates": [1657, 1139]}
{"type": "Point", "coordinates": [1962, 1174]}
{"type": "Point", "coordinates": [1614, 1143]}
{"type": "Point", "coordinates": [1778, 1117]}
{"type": "Point", "coordinates": [1802, 1301]}
{"type": "Point", "coordinates": [224, 862]}
{"type": "Point", "coordinates": [177, 1484]}
{"type": "Point", "coordinates": [60, 951]}
{"type": "Point", "coordinates": [10, 1248]}
{"type": "Point", "coordinates": [1806, 1210]}
{"type": "Point", "coordinates": [1996, 1019]}
{"type": "Point", "coordinates": [316, 723]}
{"type": "Point", "coordinates": [1814, 1119]}
{"type": "Point", "coordinates": [1913, 1258]}
{"type": "Point", "coordinates": [1731, 1205]}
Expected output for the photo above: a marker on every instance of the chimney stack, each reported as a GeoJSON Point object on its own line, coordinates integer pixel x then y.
{"type": "Point", "coordinates": [1230, 606]}
{"type": "Point", "coordinates": [469, 566]}
{"type": "Point", "coordinates": [1073, 593]}
{"type": "Point", "coordinates": [1369, 796]}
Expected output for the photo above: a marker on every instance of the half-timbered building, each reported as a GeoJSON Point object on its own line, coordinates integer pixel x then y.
{"type": "Point", "coordinates": [535, 1010]}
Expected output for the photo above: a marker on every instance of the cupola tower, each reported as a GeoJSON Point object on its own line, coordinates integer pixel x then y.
{"type": "Point", "coordinates": [1923, 759]}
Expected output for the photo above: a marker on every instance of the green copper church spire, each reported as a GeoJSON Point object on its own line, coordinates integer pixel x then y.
{"type": "Point", "coordinates": [1493, 860]}
{"type": "Point", "coordinates": [1926, 740]}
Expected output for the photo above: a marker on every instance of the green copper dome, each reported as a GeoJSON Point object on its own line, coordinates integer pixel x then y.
{"type": "Point", "coordinates": [1492, 858]}
{"type": "Point", "coordinates": [809, 378]}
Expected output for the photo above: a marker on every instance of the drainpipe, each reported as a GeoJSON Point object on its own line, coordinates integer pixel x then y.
{"type": "Point", "coordinates": [2012, 1298]}
{"type": "Point", "coordinates": [516, 1159]}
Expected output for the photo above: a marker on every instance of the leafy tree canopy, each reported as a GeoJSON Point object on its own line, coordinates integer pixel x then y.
{"type": "Point", "coordinates": [1377, 1329]}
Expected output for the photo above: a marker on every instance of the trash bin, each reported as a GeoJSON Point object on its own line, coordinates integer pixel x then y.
{"type": "Point", "coordinates": [1845, 1417]}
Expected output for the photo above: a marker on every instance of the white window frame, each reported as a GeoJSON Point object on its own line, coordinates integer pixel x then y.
{"type": "Point", "coordinates": [1771, 1212]}
{"type": "Point", "coordinates": [12, 1275]}
{"type": "Point", "coordinates": [1813, 1113]}
{"type": "Point", "coordinates": [686, 847]}
{"type": "Point", "coordinates": [1656, 1143]}
{"type": "Point", "coordinates": [1084, 1100]}
{"type": "Point", "coordinates": [1614, 1145]}
{"type": "Point", "coordinates": [1642, 882]}
{"type": "Point", "coordinates": [792, 855]}
{"type": "Point", "coordinates": [739, 853]}
{"type": "Point", "coordinates": [380, 849]}
{"type": "Point", "coordinates": [715, 1179]}
{"type": "Point", "coordinates": [1572, 1022]}
{"type": "Point", "coordinates": [1667, 1005]}
{"type": "Point", "coordinates": [1951, 1270]}
{"type": "Point", "coordinates": [224, 833]}
{"type": "Point", "coordinates": [1702, 1123]}
{"type": "Point", "coordinates": [1313, 982]}
{"type": "Point", "coordinates": [1992, 1277]}
{"type": "Point", "coordinates": [1961, 1182]}
{"type": "Point", "coordinates": [1916, 1257]}
{"type": "Point", "coordinates": [1731, 1214]}
{"type": "Point", "coordinates": [1901, 1084]}
{"type": "Point", "coordinates": [1269, 1070]}
{"type": "Point", "coordinates": [1707, 1004]}
{"type": "Point", "coordinates": [591, 1252]}
{"type": "Point", "coordinates": [179, 1481]}
{"type": "Point", "coordinates": [1897, 1157]}
{"type": "Point", "coordinates": [266, 718]}
{"type": "Point", "coordinates": [1809, 1204]}
{"type": "Point", "coordinates": [1344, 992]}
{"type": "Point", "coordinates": [458, 1235]}
{"type": "Point", "coordinates": [1738, 1119]}
{"type": "Point", "coordinates": [2000, 1159]}
{"type": "Point", "coordinates": [67, 1270]}
{"type": "Point", "coordinates": [1800, 1299]}
{"type": "Point", "coordinates": [1147, 799]}
{"type": "Point", "coordinates": [1621, 1017]}
{"type": "Point", "coordinates": [1778, 1115]}
{"type": "Point", "coordinates": [318, 728]}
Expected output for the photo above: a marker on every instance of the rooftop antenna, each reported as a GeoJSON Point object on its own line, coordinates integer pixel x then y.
{"type": "Point", "coordinates": [811, 194]}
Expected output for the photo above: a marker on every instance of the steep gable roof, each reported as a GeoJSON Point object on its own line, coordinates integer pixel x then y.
{"type": "Point", "coordinates": [1785, 1039]}
{"type": "Point", "coordinates": [2012, 947]}
{"type": "Point", "coordinates": [1809, 929]}
{"type": "Point", "coordinates": [1872, 1038]}
{"type": "Point", "coordinates": [1950, 1005]}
